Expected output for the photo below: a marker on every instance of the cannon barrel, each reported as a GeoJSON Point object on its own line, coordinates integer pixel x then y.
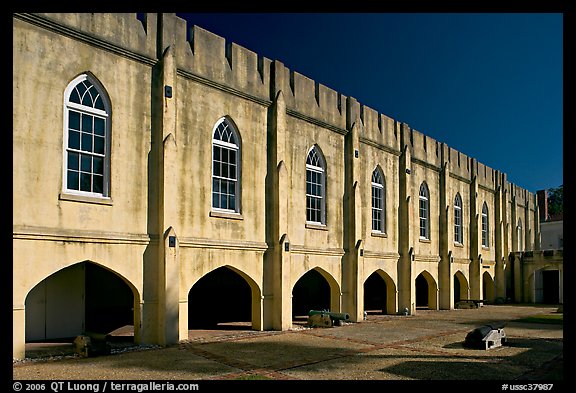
{"type": "Point", "coordinates": [340, 316]}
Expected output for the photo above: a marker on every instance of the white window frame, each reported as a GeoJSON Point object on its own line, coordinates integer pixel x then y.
{"type": "Point", "coordinates": [321, 170]}
{"type": "Point", "coordinates": [82, 109]}
{"type": "Point", "coordinates": [426, 200]}
{"type": "Point", "coordinates": [379, 186]}
{"type": "Point", "coordinates": [485, 226]}
{"type": "Point", "coordinates": [233, 147]}
{"type": "Point", "coordinates": [458, 220]}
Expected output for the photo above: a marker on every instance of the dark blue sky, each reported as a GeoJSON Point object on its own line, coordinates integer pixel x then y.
{"type": "Point", "coordinates": [487, 84]}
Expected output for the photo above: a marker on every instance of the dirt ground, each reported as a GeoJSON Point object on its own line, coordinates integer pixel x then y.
{"type": "Point", "coordinates": [424, 346]}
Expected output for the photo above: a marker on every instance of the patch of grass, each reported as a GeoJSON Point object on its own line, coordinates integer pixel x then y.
{"type": "Point", "coordinates": [252, 377]}
{"type": "Point", "coordinates": [557, 319]}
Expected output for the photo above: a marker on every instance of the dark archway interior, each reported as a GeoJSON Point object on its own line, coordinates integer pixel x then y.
{"type": "Point", "coordinates": [220, 296]}
{"type": "Point", "coordinates": [551, 287]}
{"type": "Point", "coordinates": [109, 301]}
{"type": "Point", "coordinates": [311, 292]}
{"type": "Point", "coordinates": [421, 292]}
{"type": "Point", "coordinates": [456, 290]}
{"type": "Point", "coordinates": [375, 294]}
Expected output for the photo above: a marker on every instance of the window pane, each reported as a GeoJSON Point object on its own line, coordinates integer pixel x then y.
{"type": "Point", "coordinates": [72, 181]}
{"type": "Point", "coordinates": [217, 153]}
{"type": "Point", "coordinates": [231, 188]}
{"type": "Point", "coordinates": [98, 145]}
{"type": "Point", "coordinates": [232, 156]}
{"type": "Point", "coordinates": [99, 103]}
{"type": "Point", "coordinates": [98, 165]}
{"type": "Point", "coordinates": [85, 181]}
{"type": "Point", "coordinates": [98, 183]}
{"type": "Point", "coordinates": [216, 185]}
{"type": "Point", "coordinates": [232, 203]}
{"type": "Point", "coordinates": [74, 140]}
{"type": "Point", "coordinates": [73, 161]}
{"type": "Point", "coordinates": [99, 126]}
{"type": "Point", "coordinates": [86, 142]}
{"type": "Point", "coordinates": [87, 99]}
{"type": "Point", "coordinates": [85, 163]}
{"type": "Point", "coordinates": [232, 171]}
{"type": "Point", "coordinates": [224, 170]}
{"type": "Point", "coordinates": [74, 97]}
{"type": "Point", "coordinates": [74, 120]}
{"type": "Point", "coordinates": [223, 201]}
{"type": "Point", "coordinates": [81, 87]}
{"type": "Point", "coordinates": [86, 123]}
{"type": "Point", "coordinates": [215, 200]}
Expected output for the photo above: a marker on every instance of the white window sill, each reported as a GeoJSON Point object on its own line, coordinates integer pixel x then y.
{"type": "Point", "coordinates": [85, 199]}
{"type": "Point", "coordinates": [224, 214]}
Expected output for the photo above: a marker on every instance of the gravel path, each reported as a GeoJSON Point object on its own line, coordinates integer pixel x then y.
{"type": "Point", "coordinates": [425, 346]}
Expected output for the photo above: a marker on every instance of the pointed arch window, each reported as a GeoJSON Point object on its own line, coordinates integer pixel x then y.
{"type": "Point", "coordinates": [225, 167]}
{"type": "Point", "coordinates": [458, 238]}
{"type": "Point", "coordinates": [424, 209]}
{"type": "Point", "coordinates": [485, 227]}
{"type": "Point", "coordinates": [315, 187]}
{"type": "Point", "coordinates": [378, 202]}
{"type": "Point", "coordinates": [86, 138]}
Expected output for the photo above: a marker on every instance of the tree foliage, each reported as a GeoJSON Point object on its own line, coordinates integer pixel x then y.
{"type": "Point", "coordinates": [556, 200]}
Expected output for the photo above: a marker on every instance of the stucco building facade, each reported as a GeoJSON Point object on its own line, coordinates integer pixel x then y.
{"type": "Point", "coordinates": [161, 173]}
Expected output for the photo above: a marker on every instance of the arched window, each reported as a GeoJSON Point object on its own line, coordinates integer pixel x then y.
{"type": "Point", "coordinates": [520, 236]}
{"type": "Point", "coordinates": [424, 208]}
{"type": "Point", "coordinates": [458, 238]}
{"type": "Point", "coordinates": [225, 167]}
{"type": "Point", "coordinates": [378, 202]}
{"type": "Point", "coordinates": [315, 187]}
{"type": "Point", "coordinates": [485, 228]}
{"type": "Point", "coordinates": [86, 138]}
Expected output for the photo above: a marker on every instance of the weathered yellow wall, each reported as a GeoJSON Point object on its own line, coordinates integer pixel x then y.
{"type": "Point", "coordinates": [160, 184]}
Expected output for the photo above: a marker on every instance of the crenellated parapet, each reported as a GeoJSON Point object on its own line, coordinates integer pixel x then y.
{"type": "Point", "coordinates": [523, 197]}
{"type": "Point", "coordinates": [425, 149]}
{"type": "Point", "coordinates": [118, 30]}
{"type": "Point", "coordinates": [379, 129]}
{"type": "Point", "coordinates": [309, 98]}
{"type": "Point", "coordinates": [458, 163]}
{"type": "Point", "coordinates": [486, 176]}
{"type": "Point", "coordinates": [205, 55]}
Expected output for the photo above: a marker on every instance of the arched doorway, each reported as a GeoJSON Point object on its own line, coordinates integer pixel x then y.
{"type": "Point", "coordinates": [460, 287]}
{"type": "Point", "coordinates": [311, 292]}
{"type": "Point", "coordinates": [379, 294]}
{"type": "Point", "coordinates": [222, 299]}
{"type": "Point", "coordinates": [81, 298]}
{"type": "Point", "coordinates": [375, 294]}
{"type": "Point", "coordinates": [426, 293]}
{"type": "Point", "coordinates": [487, 287]}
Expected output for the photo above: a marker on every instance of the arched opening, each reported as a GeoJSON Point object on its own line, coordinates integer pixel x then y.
{"type": "Point", "coordinates": [547, 286]}
{"type": "Point", "coordinates": [311, 292]}
{"type": "Point", "coordinates": [426, 293]}
{"type": "Point", "coordinates": [375, 298]}
{"type": "Point", "coordinates": [457, 289]}
{"type": "Point", "coordinates": [460, 287]}
{"type": "Point", "coordinates": [379, 294]}
{"type": "Point", "coordinates": [81, 299]}
{"type": "Point", "coordinates": [487, 287]}
{"type": "Point", "coordinates": [222, 299]}
{"type": "Point", "coordinates": [421, 292]}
